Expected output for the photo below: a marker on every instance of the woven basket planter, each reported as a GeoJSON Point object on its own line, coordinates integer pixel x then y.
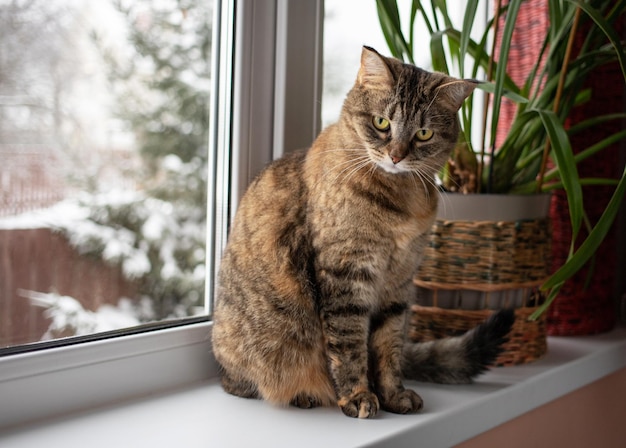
{"type": "Point", "coordinates": [527, 340]}
{"type": "Point", "coordinates": [472, 267]}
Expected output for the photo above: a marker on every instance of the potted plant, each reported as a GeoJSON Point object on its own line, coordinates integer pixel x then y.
{"type": "Point", "coordinates": [533, 157]}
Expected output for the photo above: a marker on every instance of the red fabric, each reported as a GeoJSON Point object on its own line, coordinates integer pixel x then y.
{"type": "Point", "coordinates": [527, 39]}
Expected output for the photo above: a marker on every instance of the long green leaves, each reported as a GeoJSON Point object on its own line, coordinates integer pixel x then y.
{"type": "Point", "coordinates": [468, 23]}
{"type": "Point", "coordinates": [607, 29]}
{"type": "Point", "coordinates": [500, 72]}
{"type": "Point", "coordinates": [567, 167]}
{"type": "Point", "coordinates": [389, 18]}
{"type": "Point", "coordinates": [586, 250]}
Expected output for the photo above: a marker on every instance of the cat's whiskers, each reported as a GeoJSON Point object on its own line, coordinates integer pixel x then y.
{"type": "Point", "coordinates": [432, 101]}
{"type": "Point", "coordinates": [372, 170]}
{"type": "Point", "coordinates": [454, 182]}
{"type": "Point", "coordinates": [352, 166]}
{"type": "Point", "coordinates": [424, 171]}
{"type": "Point", "coordinates": [415, 175]}
{"type": "Point", "coordinates": [339, 150]}
{"type": "Point", "coordinates": [445, 201]}
{"type": "Point", "coordinates": [358, 166]}
{"type": "Point", "coordinates": [349, 162]}
{"type": "Point", "coordinates": [420, 176]}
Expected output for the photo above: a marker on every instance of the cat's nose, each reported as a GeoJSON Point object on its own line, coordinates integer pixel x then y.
{"type": "Point", "coordinates": [397, 153]}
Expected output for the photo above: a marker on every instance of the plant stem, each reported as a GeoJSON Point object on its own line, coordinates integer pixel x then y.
{"type": "Point", "coordinates": [559, 93]}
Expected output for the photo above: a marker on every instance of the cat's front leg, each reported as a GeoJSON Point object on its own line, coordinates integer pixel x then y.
{"type": "Point", "coordinates": [346, 329]}
{"type": "Point", "coordinates": [386, 343]}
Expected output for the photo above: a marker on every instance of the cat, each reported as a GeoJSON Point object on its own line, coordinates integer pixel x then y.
{"type": "Point", "coordinates": [317, 276]}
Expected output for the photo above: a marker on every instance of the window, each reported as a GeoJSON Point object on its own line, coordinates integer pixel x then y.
{"type": "Point", "coordinates": [342, 49]}
{"type": "Point", "coordinates": [104, 136]}
{"type": "Point", "coordinates": [259, 48]}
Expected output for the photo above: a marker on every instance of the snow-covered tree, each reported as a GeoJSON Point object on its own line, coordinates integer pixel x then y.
{"type": "Point", "coordinates": [161, 82]}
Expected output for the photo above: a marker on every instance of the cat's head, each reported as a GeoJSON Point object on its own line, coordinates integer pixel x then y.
{"type": "Point", "coordinates": [405, 117]}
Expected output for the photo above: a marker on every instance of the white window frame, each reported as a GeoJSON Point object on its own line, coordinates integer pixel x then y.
{"type": "Point", "coordinates": [265, 104]}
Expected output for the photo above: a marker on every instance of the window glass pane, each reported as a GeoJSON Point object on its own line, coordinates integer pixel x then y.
{"type": "Point", "coordinates": [103, 164]}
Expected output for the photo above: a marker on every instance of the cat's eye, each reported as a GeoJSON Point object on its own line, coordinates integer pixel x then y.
{"type": "Point", "coordinates": [424, 135]}
{"type": "Point", "coordinates": [382, 124]}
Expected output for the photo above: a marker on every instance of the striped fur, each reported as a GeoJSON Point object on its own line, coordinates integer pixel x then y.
{"type": "Point", "coordinates": [316, 279]}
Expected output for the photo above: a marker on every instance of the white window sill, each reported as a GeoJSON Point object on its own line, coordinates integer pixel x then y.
{"type": "Point", "coordinates": [203, 415]}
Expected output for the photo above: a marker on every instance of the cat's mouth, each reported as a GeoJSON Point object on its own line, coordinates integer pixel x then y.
{"type": "Point", "coordinates": [394, 168]}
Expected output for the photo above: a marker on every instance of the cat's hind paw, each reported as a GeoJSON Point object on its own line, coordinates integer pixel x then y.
{"type": "Point", "coordinates": [403, 401]}
{"type": "Point", "coordinates": [305, 401]}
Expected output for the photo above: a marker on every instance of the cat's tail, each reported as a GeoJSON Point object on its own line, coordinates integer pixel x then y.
{"type": "Point", "coordinates": [457, 360]}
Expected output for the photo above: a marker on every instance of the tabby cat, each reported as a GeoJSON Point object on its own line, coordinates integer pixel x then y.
{"type": "Point", "coordinates": [317, 275]}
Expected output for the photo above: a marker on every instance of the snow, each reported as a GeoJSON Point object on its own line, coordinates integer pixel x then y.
{"type": "Point", "coordinates": [172, 162]}
{"type": "Point", "coordinates": [69, 317]}
{"type": "Point", "coordinates": [155, 226]}
{"type": "Point", "coordinates": [136, 265]}
{"type": "Point", "coordinates": [55, 216]}
{"type": "Point", "coordinates": [149, 238]}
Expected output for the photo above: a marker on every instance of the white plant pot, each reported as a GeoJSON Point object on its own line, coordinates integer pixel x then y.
{"type": "Point", "coordinates": [454, 278]}
{"type": "Point", "coordinates": [492, 207]}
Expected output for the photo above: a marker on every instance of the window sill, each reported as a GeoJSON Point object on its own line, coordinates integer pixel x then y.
{"type": "Point", "coordinates": [203, 412]}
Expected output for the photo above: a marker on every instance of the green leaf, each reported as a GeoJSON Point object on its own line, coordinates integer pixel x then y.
{"type": "Point", "coordinates": [442, 6]}
{"type": "Point", "coordinates": [593, 240]}
{"type": "Point", "coordinates": [415, 6]}
{"type": "Point", "coordinates": [588, 152]}
{"type": "Point", "coordinates": [490, 87]}
{"type": "Point", "coordinates": [586, 181]}
{"type": "Point", "coordinates": [468, 22]}
{"type": "Point", "coordinates": [438, 53]}
{"type": "Point", "coordinates": [551, 296]}
{"type": "Point", "coordinates": [607, 29]}
{"type": "Point", "coordinates": [480, 56]}
{"type": "Point", "coordinates": [602, 144]}
{"type": "Point", "coordinates": [531, 187]}
{"type": "Point", "coordinates": [500, 71]}
{"type": "Point", "coordinates": [477, 51]}
{"type": "Point", "coordinates": [564, 158]}
{"type": "Point", "coordinates": [389, 18]}
{"type": "Point", "coordinates": [594, 121]}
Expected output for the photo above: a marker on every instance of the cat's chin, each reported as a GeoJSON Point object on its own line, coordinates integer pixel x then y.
{"type": "Point", "coordinates": [392, 168]}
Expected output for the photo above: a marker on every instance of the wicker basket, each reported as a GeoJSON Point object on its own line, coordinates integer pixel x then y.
{"type": "Point", "coordinates": [486, 255]}
{"type": "Point", "coordinates": [470, 269]}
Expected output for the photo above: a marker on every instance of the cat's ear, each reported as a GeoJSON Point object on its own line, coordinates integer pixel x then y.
{"type": "Point", "coordinates": [455, 91]}
{"type": "Point", "coordinates": [374, 71]}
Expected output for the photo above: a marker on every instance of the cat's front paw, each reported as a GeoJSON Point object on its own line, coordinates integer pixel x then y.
{"type": "Point", "coordinates": [361, 405]}
{"type": "Point", "coordinates": [403, 401]}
